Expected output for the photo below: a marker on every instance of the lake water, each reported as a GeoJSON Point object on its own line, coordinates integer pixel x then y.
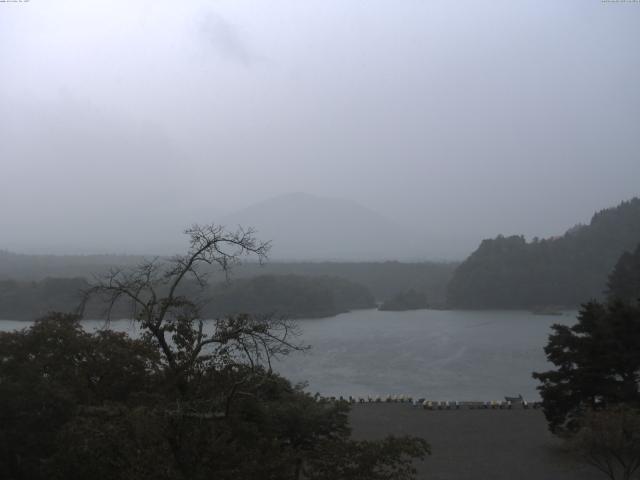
{"type": "Point", "coordinates": [438, 354]}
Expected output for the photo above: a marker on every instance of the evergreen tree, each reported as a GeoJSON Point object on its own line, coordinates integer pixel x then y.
{"type": "Point", "coordinates": [597, 364]}
{"type": "Point", "coordinates": [624, 281]}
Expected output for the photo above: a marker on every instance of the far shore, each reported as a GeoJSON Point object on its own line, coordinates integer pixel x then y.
{"type": "Point", "coordinates": [565, 311]}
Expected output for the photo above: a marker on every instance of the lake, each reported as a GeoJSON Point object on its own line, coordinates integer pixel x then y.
{"type": "Point", "coordinates": [438, 354]}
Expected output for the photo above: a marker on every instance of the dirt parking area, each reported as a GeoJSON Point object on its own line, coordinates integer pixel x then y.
{"type": "Point", "coordinates": [475, 444]}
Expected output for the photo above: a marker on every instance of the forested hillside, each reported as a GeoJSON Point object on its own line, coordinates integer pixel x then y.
{"type": "Point", "coordinates": [509, 272]}
{"type": "Point", "coordinates": [624, 281]}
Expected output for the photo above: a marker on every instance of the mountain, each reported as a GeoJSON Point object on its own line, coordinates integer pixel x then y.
{"type": "Point", "coordinates": [509, 272]}
{"type": "Point", "coordinates": [309, 227]}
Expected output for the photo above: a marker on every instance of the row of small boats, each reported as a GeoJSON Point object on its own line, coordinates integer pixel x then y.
{"type": "Point", "coordinates": [506, 404]}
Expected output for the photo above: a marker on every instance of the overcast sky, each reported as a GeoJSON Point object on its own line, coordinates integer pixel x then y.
{"type": "Point", "coordinates": [124, 121]}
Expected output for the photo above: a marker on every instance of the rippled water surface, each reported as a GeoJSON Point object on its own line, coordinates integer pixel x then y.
{"type": "Point", "coordinates": [439, 354]}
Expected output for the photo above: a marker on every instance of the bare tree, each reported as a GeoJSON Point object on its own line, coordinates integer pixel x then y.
{"type": "Point", "coordinates": [609, 440]}
{"type": "Point", "coordinates": [154, 292]}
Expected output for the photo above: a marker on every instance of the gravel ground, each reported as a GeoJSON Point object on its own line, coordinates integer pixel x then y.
{"type": "Point", "coordinates": [475, 444]}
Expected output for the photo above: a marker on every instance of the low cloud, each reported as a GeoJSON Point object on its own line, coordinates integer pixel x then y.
{"type": "Point", "coordinates": [226, 39]}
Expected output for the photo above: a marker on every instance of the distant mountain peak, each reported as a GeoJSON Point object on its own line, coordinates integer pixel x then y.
{"type": "Point", "coordinates": [304, 226]}
{"type": "Point", "coordinates": [303, 199]}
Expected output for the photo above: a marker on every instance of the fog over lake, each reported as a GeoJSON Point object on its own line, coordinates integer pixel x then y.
{"type": "Point", "coordinates": [439, 354]}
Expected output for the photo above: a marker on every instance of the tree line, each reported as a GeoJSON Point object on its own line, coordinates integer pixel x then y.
{"type": "Point", "coordinates": [382, 279]}
{"type": "Point", "coordinates": [292, 296]}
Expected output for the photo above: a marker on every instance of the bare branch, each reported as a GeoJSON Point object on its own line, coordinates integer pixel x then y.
{"type": "Point", "coordinates": [154, 292]}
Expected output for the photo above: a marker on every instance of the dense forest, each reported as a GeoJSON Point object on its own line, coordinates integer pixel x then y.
{"type": "Point", "coordinates": [509, 272]}
{"type": "Point", "coordinates": [20, 300]}
{"type": "Point", "coordinates": [291, 296]}
{"type": "Point", "coordinates": [409, 300]}
{"type": "Point", "coordinates": [383, 279]}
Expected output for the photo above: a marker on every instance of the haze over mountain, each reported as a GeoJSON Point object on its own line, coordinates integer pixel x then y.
{"type": "Point", "coordinates": [460, 118]}
{"type": "Point", "coordinates": [309, 227]}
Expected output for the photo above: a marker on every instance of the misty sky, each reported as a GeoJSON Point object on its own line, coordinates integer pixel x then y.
{"type": "Point", "coordinates": [124, 121]}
